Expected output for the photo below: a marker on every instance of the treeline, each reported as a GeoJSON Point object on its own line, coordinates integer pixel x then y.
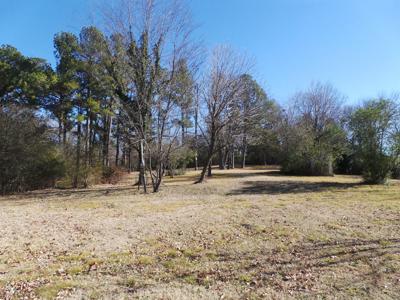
{"type": "Point", "coordinates": [141, 97]}
{"type": "Point", "coordinates": [321, 136]}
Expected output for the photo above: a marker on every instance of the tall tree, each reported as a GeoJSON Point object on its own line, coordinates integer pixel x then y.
{"type": "Point", "coordinates": [251, 104]}
{"type": "Point", "coordinates": [375, 134]}
{"type": "Point", "coordinates": [70, 98]}
{"type": "Point", "coordinates": [153, 36]}
{"type": "Point", "coordinates": [96, 85]}
{"type": "Point", "coordinates": [222, 87]}
{"type": "Point", "coordinates": [313, 131]}
{"type": "Point", "coordinates": [183, 89]}
{"type": "Point", "coordinates": [23, 80]}
{"type": "Point", "coordinates": [65, 87]}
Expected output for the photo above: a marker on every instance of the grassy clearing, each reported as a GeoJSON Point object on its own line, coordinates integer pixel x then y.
{"type": "Point", "coordinates": [244, 234]}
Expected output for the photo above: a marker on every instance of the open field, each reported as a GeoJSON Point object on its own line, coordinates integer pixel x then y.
{"type": "Point", "coordinates": [248, 234]}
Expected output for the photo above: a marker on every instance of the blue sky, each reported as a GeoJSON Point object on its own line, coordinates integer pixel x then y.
{"type": "Point", "coordinates": [353, 44]}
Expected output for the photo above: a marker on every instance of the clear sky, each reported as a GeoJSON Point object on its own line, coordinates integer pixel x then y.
{"type": "Point", "coordinates": [353, 44]}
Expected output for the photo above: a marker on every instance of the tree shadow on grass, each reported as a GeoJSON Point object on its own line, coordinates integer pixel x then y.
{"type": "Point", "coordinates": [72, 194]}
{"type": "Point", "coordinates": [289, 187]}
{"type": "Point", "coordinates": [247, 174]}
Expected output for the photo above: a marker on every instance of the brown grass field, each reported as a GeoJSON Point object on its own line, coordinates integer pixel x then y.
{"type": "Point", "coordinates": [245, 234]}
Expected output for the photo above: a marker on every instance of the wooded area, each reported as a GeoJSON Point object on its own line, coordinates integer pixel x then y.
{"type": "Point", "coordinates": [143, 95]}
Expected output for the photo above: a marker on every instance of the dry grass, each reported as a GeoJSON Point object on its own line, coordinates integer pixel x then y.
{"type": "Point", "coordinates": [248, 234]}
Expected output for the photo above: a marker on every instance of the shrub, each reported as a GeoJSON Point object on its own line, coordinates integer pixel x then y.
{"type": "Point", "coordinates": [112, 175]}
{"type": "Point", "coordinates": [396, 171]}
{"type": "Point", "coordinates": [311, 132]}
{"type": "Point", "coordinates": [297, 164]}
{"type": "Point", "coordinates": [376, 138]}
{"type": "Point", "coordinates": [28, 158]}
{"type": "Point", "coordinates": [377, 168]}
{"type": "Point", "coordinates": [87, 176]}
{"type": "Point", "coordinates": [179, 160]}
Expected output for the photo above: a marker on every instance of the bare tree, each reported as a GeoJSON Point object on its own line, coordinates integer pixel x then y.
{"type": "Point", "coordinates": [155, 36]}
{"type": "Point", "coordinates": [164, 141]}
{"type": "Point", "coordinates": [316, 137]}
{"type": "Point", "coordinates": [221, 89]}
{"type": "Point", "coordinates": [196, 126]}
{"type": "Point", "coordinates": [319, 106]}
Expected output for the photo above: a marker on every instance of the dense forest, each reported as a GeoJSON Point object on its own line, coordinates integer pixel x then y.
{"type": "Point", "coordinates": [142, 94]}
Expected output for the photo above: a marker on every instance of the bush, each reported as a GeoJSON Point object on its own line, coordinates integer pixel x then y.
{"type": "Point", "coordinates": [377, 169]}
{"type": "Point", "coordinates": [311, 132]}
{"type": "Point", "coordinates": [296, 164]}
{"type": "Point", "coordinates": [112, 175]}
{"type": "Point", "coordinates": [45, 171]}
{"type": "Point", "coordinates": [87, 176]}
{"type": "Point", "coordinates": [179, 160]}
{"type": "Point", "coordinates": [28, 158]}
{"type": "Point", "coordinates": [374, 128]}
{"type": "Point", "coordinates": [348, 164]}
{"type": "Point", "coordinates": [396, 172]}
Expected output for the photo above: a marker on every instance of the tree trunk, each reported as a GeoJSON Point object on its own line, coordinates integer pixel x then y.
{"type": "Point", "coordinates": [60, 131]}
{"type": "Point", "coordinates": [204, 170]}
{"type": "Point", "coordinates": [183, 127]}
{"type": "Point", "coordinates": [159, 177]}
{"type": "Point", "coordinates": [142, 174]}
{"type": "Point", "coordinates": [208, 163]}
{"type": "Point", "coordinates": [196, 163]}
{"type": "Point", "coordinates": [233, 158]}
{"type": "Point", "coordinates": [209, 173]}
{"type": "Point", "coordinates": [123, 156]}
{"type": "Point", "coordinates": [64, 134]}
{"type": "Point", "coordinates": [117, 146]}
{"type": "Point", "coordinates": [91, 149]}
{"type": "Point", "coordinates": [228, 159]}
{"type": "Point", "coordinates": [196, 118]}
{"type": "Point", "coordinates": [221, 159]}
{"type": "Point", "coordinates": [106, 141]}
{"type": "Point", "coordinates": [78, 156]}
{"type": "Point", "coordinates": [88, 136]}
{"type": "Point", "coordinates": [244, 152]}
{"type": "Point", "coordinates": [129, 160]}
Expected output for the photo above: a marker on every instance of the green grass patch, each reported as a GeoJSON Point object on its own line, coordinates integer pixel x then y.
{"type": "Point", "coordinates": [50, 291]}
